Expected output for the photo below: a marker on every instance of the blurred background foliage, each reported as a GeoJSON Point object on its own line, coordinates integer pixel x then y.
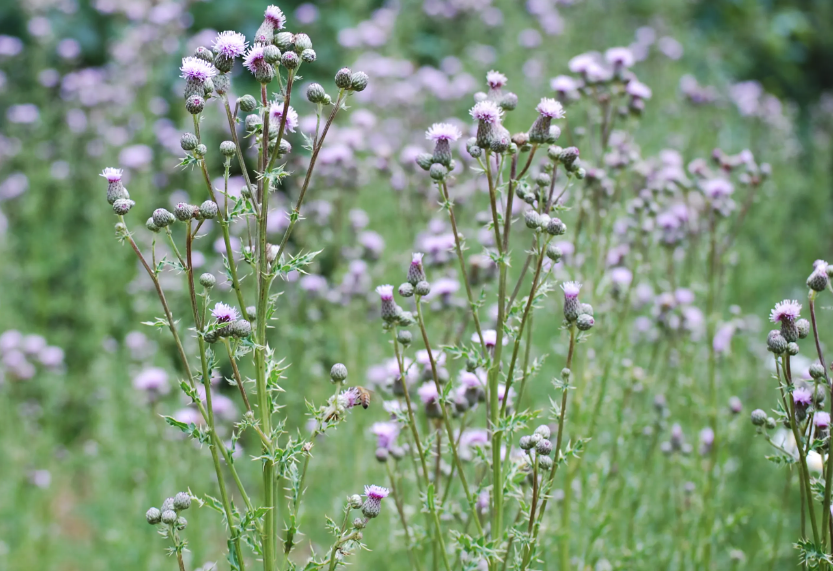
{"type": "Point", "coordinates": [65, 278]}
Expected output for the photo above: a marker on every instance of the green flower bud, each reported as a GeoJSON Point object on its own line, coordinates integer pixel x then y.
{"type": "Point", "coordinates": [308, 56]}
{"type": "Point", "coordinates": [381, 455]}
{"type": "Point", "coordinates": [182, 501]}
{"type": "Point", "coordinates": [532, 219]}
{"type": "Point", "coordinates": [222, 83]}
{"type": "Point", "coordinates": [803, 327]}
{"type": "Point", "coordinates": [290, 60]}
{"type": "Point", "coordinates": [554, 253]}
{"type": "Point", "coordinates": [251, 313]}
{"type": "Point", "coordinates": [153, 516]}
{"type": "Point", "coordinates": [758, 417]}
{"type": "Point", "coordinates": [163, 218]}
{"type": "Point", "coordinates": [122, 206]}
{"type": "Point", "coordinates": [543, 179]}
{"type": "Point", "coordinates": [817, 371]}
{"type": "Point", "coordinates": [188, 142]}
{"type": "Point", "coordinates": [792, 349]}
{"type": "Point", "coordinates": [228, 148]}
{"type": "Point", "coordinates": [545, 463]}
{"type": "Point", "coordinates": [271, 54]}
{"type": "Point", "coordinates": [169, 517]}
{"type": "Point", "coordinates": [184, 211]}
{"type": "Point", "coordinates": [544, 448]}
{"type": "Point", "coordinates": [207, 280]}
{"type": "Point", "coordinates": [406, 290]}
{"type": "Point", "coordinates": [585, 308]}
{"type": "Point", "coordinates": [200, 151]}
{"type": "Point", "coordinates": [555, 227]}
{"type": "Point", "coordinates": [585, 322]}
{"type": "Point", "coordinates": [151, 225]}
{"type": "Point", "coordinates": [404, 336]}
{"type": "Point", "coordinates": [526, 443]}
{"type": "Point", "coordinates": [358, 81]}
{"type": "Point", "coordinates": [247, 103]}
{"type": "Point", "coordinates": [338, 373]}
{"type": "Point", "coordinates": [354, 501]}
{"type": "Point", "coordinates": [437, 171]}
{"type": "Point", "coordinates": [371, 508]}
{"type": "Point", "coordinates": [544, 431]}
{"type": "Point", "coordinates": [204, 54]}
{"type": "Point", "coordinates": [241, 329]}
{"type": "Point", "coordinates": [770, 423]}
{"type": "Point", "coordinates": [302, 42]}
{"type": "Point", "coordinates": [195, 104]}
{"type": "Point", "coordinates": [316, 93]}
{"type": "Point", "coordinates": [212, 336]}
{"type": "Point", "coordinates": [344, 78]}
{"type": "Point", "coordinates": [209, 209]}
{"type": "Point", "coordinates": [359, 523]}
{"type": "Point", "coordinates": [422, 289]}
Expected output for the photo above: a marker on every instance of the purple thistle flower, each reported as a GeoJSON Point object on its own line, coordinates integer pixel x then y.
{"type": "Point", "coordinates": [377, 493]}
{"type": "Point", "coordinates": [255, 60]}
{"type": "Point", "coordinates": [224, 313]}
{"type": "Point", "coordinates": [802, 397]}
{"type": "Point", "coordinates": [496, 80]}
{"type": "Point", "coordinates": [443, 132]}
{"type": "Point", "coordinates": [276, 115]}
{"type": "Point", "coordinates": [112, 174]}
{"type": "Point", "coordinates": [195, 69]}
{"type": "Point", "coordinates": [571, 289]}
{"type": "Point", "coordinates": [489, 338]}
{"type": "Point", "coordinates": [563, 84]}
{"type": "Point", "coordinates": [821, 419]}
{"type": "Point", "coordinates": [416, 273]}
{"type": "Point", "coordinates": [385, 292]}
{"type": "Point", "coordinates": [349, 398]}
{"type": "Point", "coordinates": [390, 311]}
{"type": "Point", "coordinates": [386, 433]}
{"type": "Point", "coordinates": [717, 188]}
{"type": "Point", "coordinates": [638, 90]}
{"type": "Point", "coordinates": [621, 276]}
{"type": "Point", "coordinates": [428, 393]}
{"type": "Point", "coordinates": [619, 57]}
{"type": "Point", "coordinates": [230, 44]}
{"type": "Point", "coordinates": [551, 108]}
{"type": "Point", "coordinates": [275, 16]}
{"type": "Point", "coordinates": [487, 112]}
{"type": "Point", "coordinates": [787, 310]}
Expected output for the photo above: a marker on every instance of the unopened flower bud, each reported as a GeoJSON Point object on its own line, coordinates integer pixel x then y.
{"type": "Point", "coordinates": [209, 209]}
{"type": "Point", "coordinates": [359, 523]}
{"type": "Point", "coordinates": [526, 443]}
{"type": "Point", "coordinates": [406, 290]}
{"type": "Point", "coordinates": [585, 322]}
{"type": "Point", "coordinates": [500, 141]}
{"type": "Point", "coordinates": [247, 103]}
{"type": "Point", "coordinates": [776, 343]}
{"type": "Point", "coordinates": [422, 289]}
{"type": "Point", "coordinates": [545, 462]}
{"type": "Point", "coordinates": [188, 142]}
{"type": "Point", "coordinates": [543, 179]}
{"type": "Point", "coordinates": [554, 253]}
{"type": "Point", "coordinates": [200, 151]}
{"type": "Point", "coordinates": [817, 371]}
{"type": "Point", "coordinates": [122, 206]}
{"type": "Point", "coordinates": [569, 156]}
{"type": "Point", "coordinates": [358, 81]}
{"type": "Point", "coordinates": [544, 431]}
{"type": "Point", "coordinates": [437, 171]}
{"type": "Point", "coordinates": [151, 225]}
{"type": "Point", "coordinates": [308, 56]}
{"type": "Point", "coordinates": [544, 448]}
{"type": "Point", "coordinates": [508, 102]}
{"type": "Point", "coordinates": [338, 373]}
{"type": "Point", "coordinates": [758, 417]}
{"type": "Point", "coordinates": [212, 336]}
{"type": "Point", "coordinates": [184, 211]}
{"type": "Point", "coordinates": [163, 218]}
{"type": "Point", "coordinates": [181, 523]}
{"type": "Point", "coordinates": [228, 148]}
{"type": "Point", "coordinates": [207, 280]}
{"type": "Point", "coordinates": [344, 78]}
{"type": "Point", "coordinates": [425, 160]}
{"type": "Point", "coordinates": [585, 308]}
{"type": "Point", "coordinates": [182, 501]}
{"type": "Point", "coordinates": [803, 327]}
{"type": "Point", "coordinates": [316, 93]}
{"type": "Point", "coordinates": [222, 83]}
{"type": "Point", "coordinates": [284, 40]}
{"type": "Point", "coordinates": [471, 364]}
{"type": "Point", "coordinates": [354, 501]}
{"type": "Point", "coordinates": [532, 219]}
{"type": "Point", "coordinates": [195, 104]}
{"type": "Point", "coordinates": [371, 508]}
{"type": "Point", "coordinates": [555, 227]}
{"type": "Point", "coordinates": [792, 349]}
{"type": "Point", "coordinates": [382, 455]}
{"type": "Point", "coordinates": [404, 336]}
{"type": "Point", "coordinates": [153, 516]}
{"type": "Point", "coordinates": [818, 280]}
{"type": "Point", "coordinates": [241, 329]}
{"type": "Point", "coordinates": [169, 517]}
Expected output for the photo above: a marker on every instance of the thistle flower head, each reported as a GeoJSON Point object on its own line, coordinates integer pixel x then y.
{"type": "Point", "coordinates": [230, 44]}
{"type": "Point", "coordinates": [495, 79]}
{"type": "Point", "coordinates": [224, 313]}
{"type": "Point", "coordinates": [416, 258]}
{"type": "Point", "coordinates": [638, 90]}
{"type": "Point", "coordinates": [386, 433]}
{"type": "Point", "coordinates": [349, 398]}
{"type": "Point", "coordinates": [489, 338]}
{"type": "Point", "coordinates": [821, 419]}
{"type": "Point", "coordinates": [563, 84]}
{"type": "Point", "coordinates": [619, 57]}
{"type": "Point", "coordinates": [802, 396]}
{"type": "Point", "coordinates": [276, 115]}
{"type": "Point", "coordinates": [551, 108]}
{"type": "Point", "coordinates": [196, 69]}
{"type": "Point", "coordinates": [470, 380]}
{"type": "Point", "coordinates": [788, 310]}
{"type": "Point", "coordinates": [716, 188]}
{"type": "Point", "coordinates": [571, 289]}
{"type": "Point", "coordinates": [385, 292]}
{"type": "Point", "coordinates": [428, 393]}
{"type": "Point", "coordinates": [112, 174]}
{"type": "Point", "coordinates": [443, 132]}
{"type": "Point", "coordinates": [275, 16]}
{"type": "Point", "coordinates": [254, 58]}
{"type": "Point", "coordinates": [376, 492]}
{"type": "Point", "coordinates": [487, 112]}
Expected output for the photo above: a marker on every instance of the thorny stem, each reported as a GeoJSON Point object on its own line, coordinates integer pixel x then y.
{"type": "Point", "coordinates": [398, 501]}
{"type": "Point", "coordinates": [411, 419]}
{"type": "Point", "coordinates": [828, 477]}
{"type": "Point", "coordinates": [237, 378]}
{"type": "Point", "coordinates": [337, 543]}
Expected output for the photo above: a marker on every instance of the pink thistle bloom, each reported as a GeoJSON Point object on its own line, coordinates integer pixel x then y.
{"type": "Point", "coordinates": [276, 115]}
{"type": "Point", "coordinates": [349, 398]}
{"type": "Point", "coordinates": [619, 57]}
{"type": "Point", "coordinates": [377, 493]}
{"type": "Point", "coordinates": [501, 393]}
{"type": "Point", "coordinates": [489, 338]}
{"type": "Point", "coordinates": [230, 44]}
{"type": "Point", "coordinates": [621, 276]}
{"type": "Point", "coordinates": [802, 396]}
{"type": "Point", "coordinates": [487, 112]}
{"type": "Point", "coordinates": [582, 63]}
{"type": "Point", "coordinates": [716, 188]}
{"type": "Point", "coordinates": [196, 69]}
{"type": "Point", "coordinates": [385, 292]}
{"type": "Point", "coordinates": [428, 393]}
{"type": "Point", "coordinates": [496, 80]}
{"type": "Point", "coordinates": [386, 433]}
{"type": "Point", "coordinates": [470, 380]}
{"type": "Point", "coordinates": [254, 59]}
{"type": "Point", "coordinates": [821, 419]}
{"type": "Point", "coordinates": [443, 132]}
{"type": "Point", "coordinates": [638, 90]}
{"type": "Point", "coordinates": [224, 313]}
{"type": "Point", "coordinates": [551, 108]}
{"type": "Point", "coordinates": [112, 174]}
{"type": "Point", "coordinates": [571, 289]}
{"type": "Point", "coordinates": [563, 84]}
{"type": "Point", "coordinates": [416, 258]}
{"type": "Point", "coordinates": [789, 309]}
{"type": "Point", "coordinates": [275, 16]}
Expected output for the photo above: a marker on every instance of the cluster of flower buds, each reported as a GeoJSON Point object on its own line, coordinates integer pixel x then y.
{"type": "Point", "coordinates": [228, 322]}
{"type": "Point", "coordinates": [575, 312]}
{"type": "Point", "coordinates": [785, 339]}
{"type": "Point", "coordinates": [539, 442]}
{"type": "Point", "coordinates": [569, 158]}
{"type": "Point", "coordinates": [439, 163]}
{"type": "Point", "coordinates": [676, 442]}
{"type": "Point", "coordinates": [544, 223]}
{"type": "Point", "coordinates": [117, 194]}
{"type": "Point", "coordinates": [762, 420]}
{"type": "Point", "coordinates": [168, 514]}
